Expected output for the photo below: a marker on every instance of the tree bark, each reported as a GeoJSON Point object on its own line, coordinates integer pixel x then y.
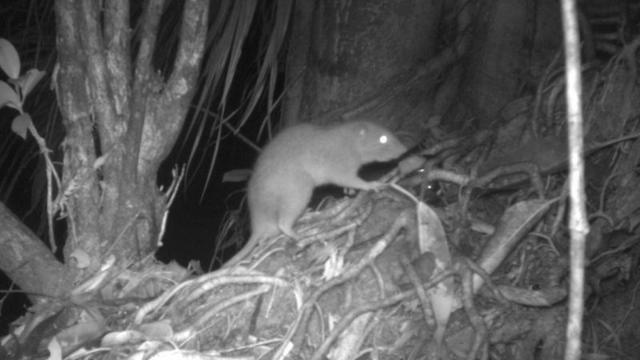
{"type": "Point", "coordinates": [24, 258]}
{"type": "Point", "coordinates": [133, 113]}
{"type": "Point", "coordinates": [376, 61]}
{"type": "Point", "coordinates": [121, 120]}
{"type": "Point", "coordinates": [510, 39]}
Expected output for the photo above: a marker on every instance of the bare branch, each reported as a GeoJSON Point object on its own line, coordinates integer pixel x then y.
{"type": "Point", "coordinates": [578, 224]}
{"type": "Point", "coordinates": [117, 36]}
{"type": "Point", "coordinates": [148, 34]}
{"type": "Point", "coordinates": [24, 259]}
{"type": "Point", "coordinates": [93, 43]}
{"type": "Point", "coordinates": [191, 48]}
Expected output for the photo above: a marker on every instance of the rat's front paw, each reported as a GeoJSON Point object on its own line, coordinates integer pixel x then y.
{"type": "Point", "coordinates": [366, 185]}
{"type": "Point", "coordinates": [375, 185]}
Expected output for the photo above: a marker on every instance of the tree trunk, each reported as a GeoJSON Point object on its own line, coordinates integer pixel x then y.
{"type": "Point", "coordinates": [121, 117]}
{"type": "Point", "coordinates": [399, 61]}
{"type": "Point", "coordinates": [381, 61]}
{"type": "Point", "coordinates": [511, 39]}
{"type": "Point", "coordinates": [136, 114]}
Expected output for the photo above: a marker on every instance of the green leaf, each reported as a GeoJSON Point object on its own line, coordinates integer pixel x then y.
{"type": "Point", "coordinates": [8, 96]}
{"type": "Point", "coordinates": [29, 80]}
{"type": "Point", "coordinates": [236, 175]}
{"type": "Point", "coordinates": [20, 125]}
{"type": "Point", "coordinates": [9, 60]}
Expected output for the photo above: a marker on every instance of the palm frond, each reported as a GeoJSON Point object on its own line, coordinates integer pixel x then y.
{"type": "Point", "coordinates": [231, 44]}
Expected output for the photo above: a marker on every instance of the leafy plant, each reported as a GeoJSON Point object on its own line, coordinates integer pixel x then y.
{"type": "Point", "coordinates": [13, 93]}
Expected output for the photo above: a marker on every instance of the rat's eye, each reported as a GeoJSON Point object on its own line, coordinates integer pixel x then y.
{"type": "Point", "coordinates": [383, 139]}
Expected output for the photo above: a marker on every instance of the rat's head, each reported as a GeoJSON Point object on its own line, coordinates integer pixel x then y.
{"type": "Point", "coordinates": [375, 143]}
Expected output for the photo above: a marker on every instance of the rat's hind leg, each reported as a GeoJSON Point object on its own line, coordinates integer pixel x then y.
{"type": "Point", "coordinates": [292, 205]}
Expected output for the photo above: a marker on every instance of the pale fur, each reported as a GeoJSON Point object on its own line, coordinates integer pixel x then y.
{"type": "Point", "coordinates": [305, 156]}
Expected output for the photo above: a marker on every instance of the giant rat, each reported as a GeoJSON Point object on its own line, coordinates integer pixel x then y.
{"type": "Point", "coordinates": [302, 157]}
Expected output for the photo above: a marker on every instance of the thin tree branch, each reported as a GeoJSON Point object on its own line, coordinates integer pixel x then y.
{"type": "Point", "coordinates": [148, 34]}
{"type": "Point", "coordinates": [578, 223]}
{"type": "Point", "coordinates": [90, 36]}
{"type": "Point", "coordinates": [117, 35]}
